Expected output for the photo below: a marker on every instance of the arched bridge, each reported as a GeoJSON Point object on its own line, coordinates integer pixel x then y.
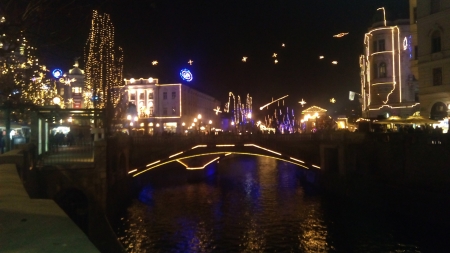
{"type": "Point", "coordinates": [196, 152]}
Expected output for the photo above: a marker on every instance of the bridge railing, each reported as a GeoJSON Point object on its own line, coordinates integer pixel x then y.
{"type": "Point", "coordinates": [64, 153]}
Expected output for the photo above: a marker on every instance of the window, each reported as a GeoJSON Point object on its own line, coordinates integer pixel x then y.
{"type": "Point", "coordinates": [164, 111]}
{"type": "Point", "coordinates": [435, 6]}
{"type": "Point", "coordinates": [165, 95]}
{"type": "Point", "coordinates": [375, 71]}
{"type": "Point", "coordinates": [416, 52]}
{"type": "Point", "coordinates": [437, 76]}
{"type": "Point", "coordinates": [150, 95]}
{"type": "Point", "coordinates": [141, 96]}
{"type": "Point", "coordinates": [375, 46]}
{"type": "Point", "coordinates": [415, 15]}
{"type": "Point", "coordinates": [174, 94]}
{"type": "Point", "coordinates": [174, 111]}
{"type": "Point", "coordinates": [381, 45]}
{"type": "Point", "coordinates": [76, 90]}
{"type": "Point", "coordinates": [436, 42]}
{"type": "Point", "coordinates": [382, 70]}
{"type": "Point", "coordinates": [61, 92]}
{"type": "Point", "coordinates": [150, 111]}
{"type": "Point", "coordinates": [132, 96]}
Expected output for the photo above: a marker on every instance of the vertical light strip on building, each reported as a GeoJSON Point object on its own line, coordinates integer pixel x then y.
{"type": "Point", "coordinates": [399, 63]}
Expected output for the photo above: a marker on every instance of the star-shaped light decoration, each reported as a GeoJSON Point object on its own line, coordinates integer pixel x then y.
{"type": "Point", "coordinates": [66, 81]}
{"type": "Point", "coordinates": [334, 62]}
{"type": "Point", "coordinates": [332, 100]}
{"type": "Point", "coordinates": [154, 63]}
{"type": "Point", "coordinates": [190, 62]}
{"type": "Point", "coordinates": [276, 61]}
{"type": "Point", "coordinates": [274, 55]}
{"type": "Point", "coordinates": [244, 59]}
{"type": "Point", "coordinates": [217, 110]}
{"type": "Point", "coordinates": [340, 35]}
{"type": "Point", "coordinates": [303, 102]}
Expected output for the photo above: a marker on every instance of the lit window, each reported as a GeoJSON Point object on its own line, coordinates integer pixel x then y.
{"type": "Point", "coordinates": [151, 111]}
{"type": "Point", "coordinates": [150, 95]}
{"type": "Point", "coordinates": [437, 76]}
{"type": "Point", "coordinates": [61, 91]}
{"type": "Point", "coordinates": [436, 42]}
{"type": "Point", "coordinates": [165, 95]}
{"type": "Point", "coordinates": [382, 70]}
{"type": "Point", "coordinates": [141, 96]}
{"type": "Point", "coordinates": [76, 90]}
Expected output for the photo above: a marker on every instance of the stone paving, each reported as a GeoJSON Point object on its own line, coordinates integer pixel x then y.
{"type": "Point", "coordinates": [35, 225]}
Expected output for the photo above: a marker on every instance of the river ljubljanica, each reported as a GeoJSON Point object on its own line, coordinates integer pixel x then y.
{"type": "Point", "coordinates": [258, 204]}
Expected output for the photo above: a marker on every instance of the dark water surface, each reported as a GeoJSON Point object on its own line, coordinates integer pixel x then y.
{"type": "Point", "coordinates": [257, 204]}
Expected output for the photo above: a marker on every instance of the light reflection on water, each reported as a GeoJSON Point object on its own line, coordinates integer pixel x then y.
{"type": "Point", "coordinates": [249, 205]}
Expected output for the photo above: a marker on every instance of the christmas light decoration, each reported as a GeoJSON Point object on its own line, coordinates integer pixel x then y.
{"type": "Point", "coordinates": [190, 62]}
{"type": "Point", "coordinates": [276, 61]}
{"type": "Point", "coordinates": [273, 101]}
{"type": "Point", "coordinates": [57, 73]}
{"type": "Point", "coordinates": [321, 57]}
{"type": "Point", "coordinates": [333, 100]}
{"type": "Point", "coordinates": [22, 78]}
{"type": "Point", "coordinates": [283, 45]}
{"type": "Point", "coordinates": [384, 14]}
{"type": "Point", "coordinates": [274, 55]}
{"type": "Point", "coordinates": [186, 75]}
{"type": "Point", "coordinates": [340, 35]}
{"type": "Point", "coordinates": [303, 102]}
{"type": "Point", "coordinates": [154, 63]}
{"type": "Point", "coordinates": [334, 62]}
{"type": "Point", "coordinates": [104, 65]}
{"type": "Point", "coordinates": [244, 59]}
{"type": "Point", "coordinates": [217, 110]}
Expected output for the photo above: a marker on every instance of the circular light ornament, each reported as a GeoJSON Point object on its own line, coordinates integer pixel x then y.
{"type": "Point", "coordinates": [56, 100]}
{"type": "Point", "coordinates": [186, 75]}
{"type": "Point", "coordinates": [57, 73]}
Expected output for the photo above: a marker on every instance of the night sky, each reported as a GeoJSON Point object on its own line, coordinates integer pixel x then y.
{"type": "Point", "coordinates": [217, 34]}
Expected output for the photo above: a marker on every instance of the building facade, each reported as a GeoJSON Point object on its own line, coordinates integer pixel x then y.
{"type": "Point", "coordinates": [172, 108]}
{"type": "Point", "coordinates": [433, 28]}
{"type": "Point", "coordinates": [70, 87]}
{"type": "Point", "coordinates": [388, 82]}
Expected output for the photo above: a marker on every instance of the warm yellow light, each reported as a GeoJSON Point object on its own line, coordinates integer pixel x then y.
{"type": "Point", "coordinates": [199, 116]}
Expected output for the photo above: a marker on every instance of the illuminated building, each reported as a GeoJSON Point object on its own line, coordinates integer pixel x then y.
{"type": "Point", "coordinates": [433, 26]}
{"type": "Point", "coordinates": [388, 85]}
{"type": "Point", "coordinates": [169, 107]}
{"type": "Point", "coordinates": [70, 87]}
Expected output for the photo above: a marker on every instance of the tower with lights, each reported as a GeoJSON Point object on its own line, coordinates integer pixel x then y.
{"type": "Point", "coordinates": [388, 84]}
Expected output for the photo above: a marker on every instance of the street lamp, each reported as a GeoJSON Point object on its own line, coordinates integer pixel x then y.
{"type": "Point", "coordinates": [210, 122]}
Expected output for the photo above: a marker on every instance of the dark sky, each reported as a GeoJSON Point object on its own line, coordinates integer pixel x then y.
{"type": "Point", "coordinates": [217, 34]}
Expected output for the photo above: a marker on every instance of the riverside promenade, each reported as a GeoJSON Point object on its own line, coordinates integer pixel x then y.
{"type": "Point", "coordinates": [35, 225]}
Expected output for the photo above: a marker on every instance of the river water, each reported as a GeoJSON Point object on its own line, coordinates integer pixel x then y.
{"type": "Point", "coordinates": [258, 204]}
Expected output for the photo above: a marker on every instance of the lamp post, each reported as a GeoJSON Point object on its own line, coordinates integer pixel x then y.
{"type": "Point", "coordinates": [199, 117]}
{"type": "Point", "coordinates": [182, 129]}
{"type": "Point", "coordinates": [210, 122]}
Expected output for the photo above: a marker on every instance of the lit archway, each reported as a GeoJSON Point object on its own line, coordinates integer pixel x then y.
{"type": "Point", "coordinates": [438, 111]}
